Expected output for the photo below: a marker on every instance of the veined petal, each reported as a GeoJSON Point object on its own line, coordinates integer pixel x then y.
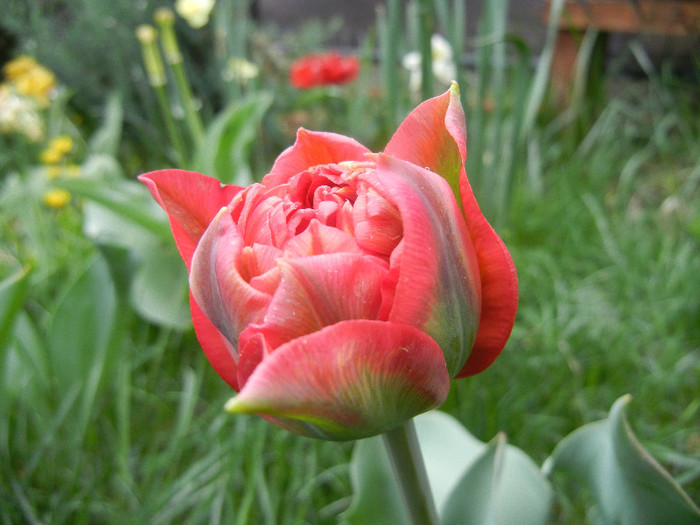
{"type": "Point", "coordinates": [347, 381]}
{"type": "Point", "coordinates": [438, 287]}
{"type": "Point", "coordinates": [434, 136]}
{"type": "Point", "coordinates": [191, 201]}
{"type": "Point", "coordinates": [218, 350]}
{"type": "Point", "coordinates": [217, 285]}
{"type": "Point", "coordinates": [311, 149]}
{"type": "Point", "coordinates": [320, 291]}
{"type": "Point", "coordinates": [499, 287]}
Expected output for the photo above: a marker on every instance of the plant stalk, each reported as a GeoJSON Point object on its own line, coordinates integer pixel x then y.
{"type": "Point", "coordinates": [407, 461]}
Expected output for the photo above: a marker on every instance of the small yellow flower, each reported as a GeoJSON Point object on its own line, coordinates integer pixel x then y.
{"type": "Point", "coordinates": [57, 198]}
{"type": "Point", "coordinates": [50, 156]}
{"type": "Point", "coordinates": [62, 144]}
{"type": "Point", "coordinates": [14, 69]}
{"type": "Point", "coordinates": [30, 78]}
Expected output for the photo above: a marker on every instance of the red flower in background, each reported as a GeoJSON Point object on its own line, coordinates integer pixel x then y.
{"type": "Point", "coordinates": [320, 70]}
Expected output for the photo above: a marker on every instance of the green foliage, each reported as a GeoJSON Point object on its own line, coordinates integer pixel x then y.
{"type": "Point", "coordinates": [110, 409]}
{"type": "Point", "coordinates": [628, 485]}
{"type": "Point", "coordinates": [472, 482]}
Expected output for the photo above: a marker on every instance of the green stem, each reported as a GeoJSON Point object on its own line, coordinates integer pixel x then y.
{"type": "Point", "coordinates": [166, 21]}
{"type": "Point", "coordinates": [409, 469]}
{"type": "Point", "coordinates": [426, 26]}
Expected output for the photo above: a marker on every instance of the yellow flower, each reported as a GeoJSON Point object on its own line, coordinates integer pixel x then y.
{"type": "Point", "coordinates": [62, 144]}
{"type": "Point", "coordinates": [57, 198]}
{"type": "Point", "coordinates": [14, 69]}
{"type": "Point", "coordinates": [30, 78]}
{"type": "Point", "coordinates": [50, 156]}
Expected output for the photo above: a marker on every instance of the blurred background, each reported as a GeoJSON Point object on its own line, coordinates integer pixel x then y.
{"type": "Point", "coordinates": [583, 151]}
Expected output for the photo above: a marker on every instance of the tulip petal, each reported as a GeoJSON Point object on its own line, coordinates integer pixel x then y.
{"type": "Point", "coordinates": [313, 148]}
{"type": "Point", "coordinates": [191, 201]}
{"type": "Point", "coordinates": [499, 287]}
{"type": "Point", "coordinates": [216, 283]}
{"type": "Point", "coordinates": [434, 136]}
{"type": "Point", "coordinates": [216, 347]}
{"type": "Point", "coordinates": [320, 291]}
{"type": "Point", "coordinates": [438, 286]}
{"type": "Point", "coordinates": [418, 141]}
{"type": "Point", "coordinates": [350, 380]}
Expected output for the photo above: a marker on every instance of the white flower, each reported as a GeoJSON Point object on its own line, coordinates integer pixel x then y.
{"type": "Point", "coordinates": [20, 114]}
{"type": "Point", "coordinates": [195, 12]}
{"type": "Point", "coordinates": [443, 63]}
{"type": "Point", "coordinates": [240, 70]}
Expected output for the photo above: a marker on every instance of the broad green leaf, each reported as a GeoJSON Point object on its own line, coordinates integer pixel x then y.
{"type": "Point", "coordinates": [224, 152]}
{"type": "Point", "coordinates": [629, 487]}
{"type": "Point", "coordinates": [377, 499]}
{"type": "Point", "coordinates": [80, 336]}
{"type": "Point", "coordinates": [503, 486]}
{"type": "Point", "coordinates": [158, 291]}
{"type": "Point", "coordinates": [471, 482]}
{"type": "Point", "coordinates": [128, 199]}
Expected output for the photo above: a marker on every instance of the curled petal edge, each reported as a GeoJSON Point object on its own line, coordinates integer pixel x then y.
{"type": "Point", "coordinates": [350, 380]}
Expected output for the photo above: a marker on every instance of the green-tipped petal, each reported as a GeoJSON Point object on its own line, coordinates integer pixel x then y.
{"type": "Point", "coordinates": [351, 380]}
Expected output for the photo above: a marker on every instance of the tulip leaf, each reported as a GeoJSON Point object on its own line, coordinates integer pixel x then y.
{"type": "Point", "coordinates": [81, 337]}
{"type": "Point", "coordinates": [629, 487]}
{"type": "Point", "coordinates": [127, 199]}
{"type": "Point", "coordinates": [377, 497]}
{"type": "Point", "coordinates": [503, 486]}
{"type": "Point", "coordinates": [223, 153]}
{"type": "Point", "coordinates": [472, 482]}
{"type": "Point", "coordinates": [158, 291]}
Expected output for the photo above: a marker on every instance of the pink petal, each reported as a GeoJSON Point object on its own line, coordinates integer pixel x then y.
{"type": "Point", "coordinates": [218, 287]}
{"type": "Point", "coordinates": [191, 201]}
{"type": "Point", "coordinates": [216, 347]}
{"type": "Point", "coordinates": [320, 291]}
{"type": "Point", "coordinates": [434, 136]}
{"type": "Point", "coordinates": [319, 238]}
{"type": "Point", "coordinates": [350, 380]}
{"type": "Point", "coordinates": [419, 141]}
{"type": "Point", "coordinates": [499, 287]}
{"type": "Point", "coordinates": [311, 149]}
{"type": "Point", "coordinates": [438, 286]}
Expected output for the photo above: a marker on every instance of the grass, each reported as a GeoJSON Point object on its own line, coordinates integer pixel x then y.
{"type": "Point", "coordinates": [108, 418]}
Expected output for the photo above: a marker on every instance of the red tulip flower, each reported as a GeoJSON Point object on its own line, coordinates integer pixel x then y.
{"type": "Point", "coordinates": [321, 70]}
{"type": "Point", "coordinates": [341, 294]}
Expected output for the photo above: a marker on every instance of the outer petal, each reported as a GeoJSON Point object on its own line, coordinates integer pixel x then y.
{"type": "Point", "coordinates": [499, 287]}
{"type": "Point", "coordinates": [438, 287]}
{"type": "Point", "coordinates": [216, 347]}
{"type": "Point", "coordinates": [191, 201]}
{"type": "Point", "coordinates": [217, 286]}
{"type": "Point", "coordinates": [350, 380]}
{"type": "Point", "coordinates": [311, 149]}
{"type": "Point", "coordinates": [434, 136]}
